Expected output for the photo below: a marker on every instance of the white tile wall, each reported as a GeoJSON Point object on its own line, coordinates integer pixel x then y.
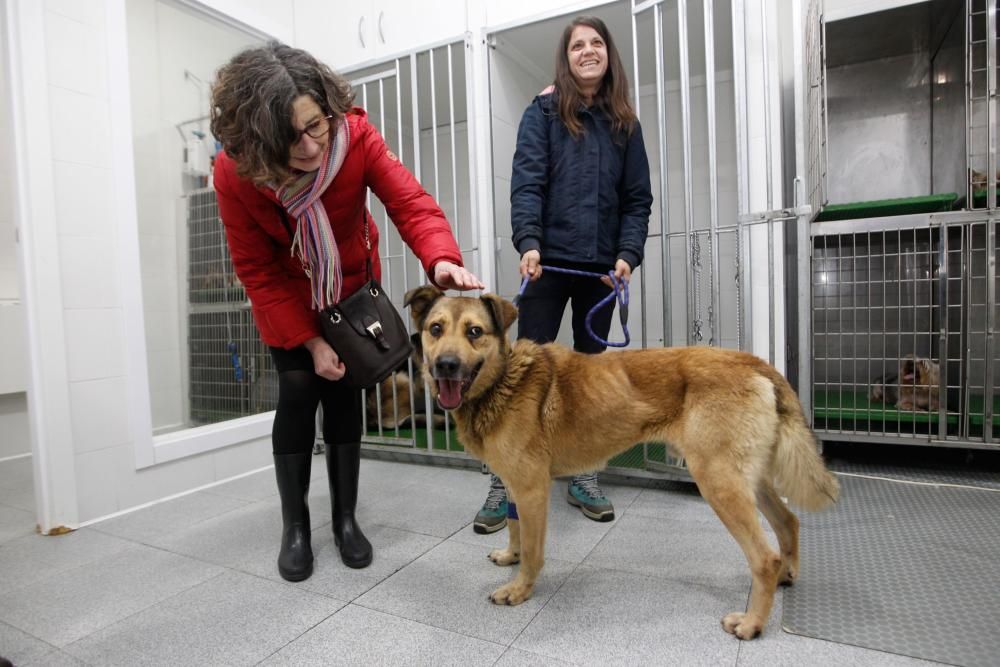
{"type": "Point", "coordinates": [90, 12]}
{"type": "Point", "coordinates": [98, 414]}
{"type": "Point", "coordinates": [97, 473]}
{"type": "Point", "coordinates": [76, 57]}
{"type": "Point", "coordinates": [83, 200]}
{"type": "Point", "coordinates": [81, 130]}
{"type": "Point", "coordinates": [94, 343]}
{"type": "Point", "coordinates": [90, 276]}
{"type": "Point", "coordinates": [14, 425]}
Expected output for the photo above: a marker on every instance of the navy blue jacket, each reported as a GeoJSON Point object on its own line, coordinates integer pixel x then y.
{"type": "Point", "coordinates": [581, 201]}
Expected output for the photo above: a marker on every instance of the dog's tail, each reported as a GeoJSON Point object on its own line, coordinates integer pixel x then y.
{"type": "Point", "coordinates": [799, 471]}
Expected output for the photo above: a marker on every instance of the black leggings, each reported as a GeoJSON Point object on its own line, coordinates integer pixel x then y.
{"type": "Point", "coordinates": [300, 391]}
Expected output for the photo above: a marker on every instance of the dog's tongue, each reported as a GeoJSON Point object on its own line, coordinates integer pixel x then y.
{"type": "Point", "coordinates": [908, 376]}
{"type": "Point", "coordinates": [449, 393]}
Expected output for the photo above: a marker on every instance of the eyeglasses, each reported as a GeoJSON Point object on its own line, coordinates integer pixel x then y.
{"type": "Point", "coordinates": [316, 129]}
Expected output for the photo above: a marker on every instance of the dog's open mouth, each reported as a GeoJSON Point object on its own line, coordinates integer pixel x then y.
{"type": "Point", "coordinates": [450, 392]}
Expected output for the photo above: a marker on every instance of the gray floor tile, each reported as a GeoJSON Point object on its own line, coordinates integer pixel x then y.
{"type": "Point", "coordinates": [250, 533]}
{"type": "Point", "coordinates": [151, 524]}
{"type": "Point", "coordinates": [393, 550]}
{"type": "Point", "coordinates": [258, 486]}
{"type": "Point", "coordinates": [359, 636]}
{"type": "Point", "coordinates": [514, 657]}
{"type": "Point", "coordinates": [15, 472]}
{"type": "Point", "coordinates": [777, 648]}
{"type": "Point", "coordinates": [15, 523]}
{"type": "Point", "coordinates": [20, 647]}
{"type": "Point", "coordinates": [232, 619]}
{"type": "Point", "coordinates": [19, 496]}
{"type": "Point", "coordinates": [74, 603]}
{"type": "Point", "coordinates": [603, 617]}
{"type": "Point", "coordinates": [675, 500]}
{"type": "Point", "coordinates": [30, 559]}
{"type": "Point", "coordinates": [56, 658]}
{"type": "Point", "coordinates": [570, 535]}
{"type": "Point", "coordinates": [684, 550]}
{"type": "Point", "coordinates": [432, 508]}
{"type": "Point", "coordinates": [448, 588]}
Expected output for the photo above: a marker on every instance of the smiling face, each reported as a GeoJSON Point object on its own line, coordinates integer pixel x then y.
{"type": "Point", "coordinates": [587, 55]}
{"type": "Point", "coordinates": [306, 154]}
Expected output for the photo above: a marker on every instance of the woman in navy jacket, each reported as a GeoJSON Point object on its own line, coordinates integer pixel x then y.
{"type": "Point", "coordinates": [580, 198]}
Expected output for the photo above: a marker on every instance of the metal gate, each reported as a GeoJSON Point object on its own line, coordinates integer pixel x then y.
{"type": "Point", "coordinates": [419, 103]}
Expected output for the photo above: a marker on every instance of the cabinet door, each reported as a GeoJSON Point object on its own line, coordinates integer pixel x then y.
{"type": "Point", "coordinates": [401, 25]}
{"type": "Point", "coordinates": [339, 34]}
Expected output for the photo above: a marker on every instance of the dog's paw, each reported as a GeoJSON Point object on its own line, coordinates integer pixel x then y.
{"type": "Point", "coordinates": [787, 575]}
{"type": "Point", "coordinates": [504, 557]}
{"type": "Point", "coordinates": [742, 625]}
{"type": "Point", "coordinates": [511, 594]}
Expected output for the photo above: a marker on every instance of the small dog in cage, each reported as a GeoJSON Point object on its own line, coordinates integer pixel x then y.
{"type": "Point", "coordinates": [915, 388]}
{"type": "Point", "coordinates": [389, 406]}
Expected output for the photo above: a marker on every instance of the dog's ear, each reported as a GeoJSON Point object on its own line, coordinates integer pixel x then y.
{"type": "Point", "coordinates": [419, 300]}
{"type": "Point", "coordinates": [501, 310]}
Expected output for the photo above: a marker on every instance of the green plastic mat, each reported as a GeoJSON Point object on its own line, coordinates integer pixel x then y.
{"type": "Point", "coordinates": [632, 458]}
{"type": "Point", "coordinates": [855, 405]}
{"type": "Point", "coordinates": [886, 207]}
{"type": "Point", "coordinates": [976, 414]}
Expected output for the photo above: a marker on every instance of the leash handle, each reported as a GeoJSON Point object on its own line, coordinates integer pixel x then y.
{"type": "Point", "coordinates": [619, 290]}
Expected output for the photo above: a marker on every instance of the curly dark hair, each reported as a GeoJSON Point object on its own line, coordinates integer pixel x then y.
{"type": "Point", "coordinates": [612, 96]}
{"type": "Point", "coordinates": [252, 106]}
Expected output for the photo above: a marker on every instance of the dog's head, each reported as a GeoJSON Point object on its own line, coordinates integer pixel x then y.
{"type": "Point", "coordinates": [464, 341]}
{"type": "Point", "coordinates": [918, 371]}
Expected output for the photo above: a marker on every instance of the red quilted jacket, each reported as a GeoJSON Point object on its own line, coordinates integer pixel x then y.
{"type": "Point", "coordinates": [260, 242]}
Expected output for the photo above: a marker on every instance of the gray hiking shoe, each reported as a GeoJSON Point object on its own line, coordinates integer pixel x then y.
{"type": "Point", "coordinates": [583, 492]}
{"type": "Point", "coordinates": [493, 515]}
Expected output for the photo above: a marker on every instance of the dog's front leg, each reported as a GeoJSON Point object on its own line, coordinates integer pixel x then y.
{"type": "Point", "coordinates": [532, 509]}
{"type": "Point", "coordinates": [512, 554]}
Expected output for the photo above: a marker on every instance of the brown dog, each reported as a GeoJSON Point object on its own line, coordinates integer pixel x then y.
{"type": "Point", "coordinates": [919, 381]}
{"type": "Point", "coordinates": [533, 412]}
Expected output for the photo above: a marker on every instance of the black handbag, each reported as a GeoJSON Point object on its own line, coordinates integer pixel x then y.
{"type": "Point", "coordinates": [367, 332]}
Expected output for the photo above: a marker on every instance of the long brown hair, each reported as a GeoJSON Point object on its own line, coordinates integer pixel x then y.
{"type": "Point", "coordinates": [252, 106]}
{"type": "Point", "coordinates": [612, 96]}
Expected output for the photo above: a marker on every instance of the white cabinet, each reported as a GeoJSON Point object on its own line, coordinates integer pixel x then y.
{"type": "Point", "coordinates": [344, 35]}
{"type": "Point", "coordinates": [502, 12]}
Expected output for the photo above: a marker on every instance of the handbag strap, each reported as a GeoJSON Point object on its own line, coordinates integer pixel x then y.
{"type": "Point", "coordinates": [368, 245]}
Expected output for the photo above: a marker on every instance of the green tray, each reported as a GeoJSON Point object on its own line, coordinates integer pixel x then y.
{"type": "Point", "coordinates": [855, 405]}
{"type": "Point", "coordinates": [632, 458]}
{"type": "Point", "coordinates": [976, 415]}
{"type": "Point", "coordinates": [885, 207]}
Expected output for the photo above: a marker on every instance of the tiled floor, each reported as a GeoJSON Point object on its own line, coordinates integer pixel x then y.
{"type": "Point", "coordinates": [193, 582]}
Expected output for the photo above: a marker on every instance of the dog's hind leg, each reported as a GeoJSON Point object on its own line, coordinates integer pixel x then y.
{"type": "Point", "coordinates": [728, 492]}
{"type": "Point", "coordinates": [786, 527]}
{"type": "Point", "coordinates": [532, 508]}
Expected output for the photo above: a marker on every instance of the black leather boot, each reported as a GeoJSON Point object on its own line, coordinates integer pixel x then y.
{"type": "Point", "coordinates": [295, 561]}
{"type": "Point", "coordinates": [343, 462]}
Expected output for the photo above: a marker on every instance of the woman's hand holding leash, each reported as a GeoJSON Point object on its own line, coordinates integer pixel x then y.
{"type": "Point", "coordinates": [531, 265]}
{"type": "Point", "coordinates": [623, 272]}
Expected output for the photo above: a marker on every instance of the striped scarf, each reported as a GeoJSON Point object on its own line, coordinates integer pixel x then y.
{"type": "Point", "coordinates": [314, 242]}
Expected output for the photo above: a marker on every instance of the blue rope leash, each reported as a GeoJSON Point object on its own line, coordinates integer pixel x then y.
{"type": "Point", "coordinates": [620, 291]}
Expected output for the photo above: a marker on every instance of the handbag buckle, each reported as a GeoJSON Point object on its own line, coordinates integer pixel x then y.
{"type": "Point", "coordinates": [375, 329]}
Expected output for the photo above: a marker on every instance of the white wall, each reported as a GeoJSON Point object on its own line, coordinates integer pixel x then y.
{"type": "Point", "coordinates": [73, 102]}
{"type": "Point", "coordinates": [14, 437]}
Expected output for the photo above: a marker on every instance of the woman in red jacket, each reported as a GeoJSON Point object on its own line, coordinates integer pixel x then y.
{"type": "Point", "coordinates": [291, 187]}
